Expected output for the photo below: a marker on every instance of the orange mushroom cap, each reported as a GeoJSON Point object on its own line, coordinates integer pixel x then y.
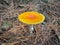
{"type": "Point", "coordinates": [31, 17]}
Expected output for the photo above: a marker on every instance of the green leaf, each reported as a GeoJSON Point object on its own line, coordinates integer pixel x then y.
{"type": "Point", "coordinates": [45, 1]}
{"type": "Point", "coordinates": [5, 24]}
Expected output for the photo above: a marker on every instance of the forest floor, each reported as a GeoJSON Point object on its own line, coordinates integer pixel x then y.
{"type": "Point", "coordinates": [14, 32]}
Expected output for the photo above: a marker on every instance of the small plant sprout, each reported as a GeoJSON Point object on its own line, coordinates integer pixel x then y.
{"type": "Point", "coordinates": [31, 18]}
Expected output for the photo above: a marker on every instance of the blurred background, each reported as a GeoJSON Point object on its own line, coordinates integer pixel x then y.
{"type": "Point", "coordinates": [14, 32]}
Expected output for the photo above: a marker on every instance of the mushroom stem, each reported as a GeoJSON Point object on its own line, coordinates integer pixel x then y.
{"type": "Point", "coordinates": [31, 28]}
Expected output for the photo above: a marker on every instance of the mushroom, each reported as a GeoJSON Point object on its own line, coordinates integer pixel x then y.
{"type": "Point", "coordinates": [31, 18]}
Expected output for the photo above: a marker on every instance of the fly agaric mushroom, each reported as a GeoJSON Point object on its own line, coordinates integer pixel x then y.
{"type": "Point", "coordinates": [31, 18]}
